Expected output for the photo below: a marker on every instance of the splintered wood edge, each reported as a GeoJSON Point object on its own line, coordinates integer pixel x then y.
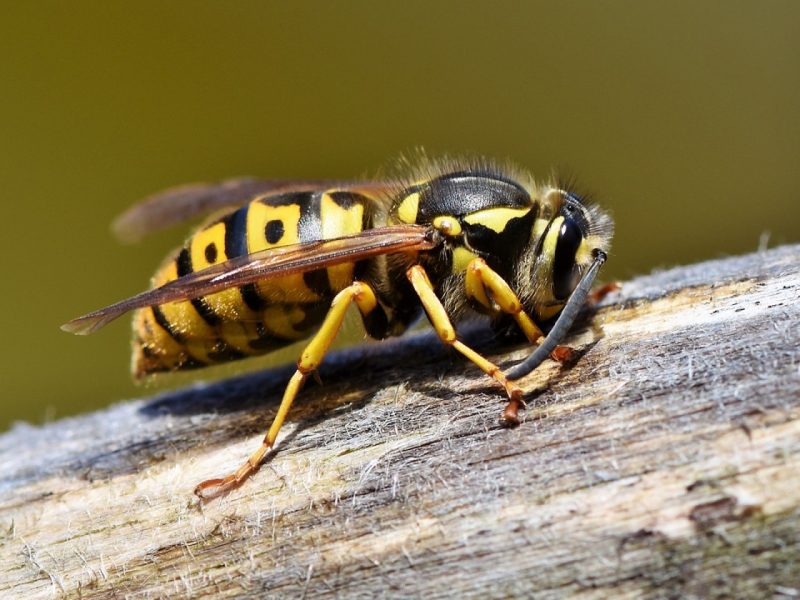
{"type": "Point", "coordinates": [673, 445]}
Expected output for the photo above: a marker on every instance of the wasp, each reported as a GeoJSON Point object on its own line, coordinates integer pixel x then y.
{"type": "Point", "coordinates": [284, 260]}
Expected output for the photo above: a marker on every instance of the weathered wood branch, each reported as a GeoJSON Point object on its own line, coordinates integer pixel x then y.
{"type": "Point", "coordinates": [665, 463]}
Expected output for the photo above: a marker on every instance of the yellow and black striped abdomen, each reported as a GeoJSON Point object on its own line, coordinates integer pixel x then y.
{"type": "Point", "coordinates": [255, 318]}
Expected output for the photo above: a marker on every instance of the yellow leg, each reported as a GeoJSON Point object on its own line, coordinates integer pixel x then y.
{"type": "Point", "coordinates": [309, 360]}
{"type": "Point", "coordinates": [481, 277]}
{"type": "Point", "coordinates": [447, 333]}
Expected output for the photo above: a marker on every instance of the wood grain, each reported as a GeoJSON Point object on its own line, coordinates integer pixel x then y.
{"type": "Point", "coordinates": [665, 463]}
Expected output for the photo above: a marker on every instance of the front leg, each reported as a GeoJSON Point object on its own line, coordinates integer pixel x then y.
{"type": "Point", "coordinates": [480, 278]}
{"type": "Point", "coordinates": [447, 333]}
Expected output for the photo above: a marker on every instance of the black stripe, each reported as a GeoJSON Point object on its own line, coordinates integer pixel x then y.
{"type": "Point", "coordinates": [146, 350]}
{"type": "Point", "coordinates": [314, 314]}
{"type": "Point", "coordinates": [309, 229]}
{"type": "Point", "coordinates": [502, 250]}
{"type": "Point", "coordinates": [206, 312]}
{"type": "Point", "coordinates": [252, 298]}
{"type": "Point", "coordinates": [318, 282]}
{"type": "Point", "coordinates": [236, 233]}
{"type": "Point", "coordinates": [223, 352]}
{"type": "Point", "coordinates": [184, 264]}
{"type": "Point", "coordinates": [235, 246]}
{"type": "Point", "coordinates": [345, 199]}
{"type": "Point", "coordinates": [376, 323]}
{"type": "Point", "coordinates": [187, 362]}
{"type": "Point", "coordinates": [162, 320]}
{"type": "Point", "coordinates": [287, 199]}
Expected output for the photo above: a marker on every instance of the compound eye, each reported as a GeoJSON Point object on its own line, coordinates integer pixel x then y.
{"type": "Point", "coordinates": [565, 271]}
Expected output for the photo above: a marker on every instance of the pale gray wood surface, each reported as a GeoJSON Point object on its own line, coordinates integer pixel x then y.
{"type": "Point", "coordinates": [665, 463]}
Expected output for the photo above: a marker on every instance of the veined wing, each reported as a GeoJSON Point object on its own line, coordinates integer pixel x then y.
{"type": "Point", "coordinates": [266, 264]}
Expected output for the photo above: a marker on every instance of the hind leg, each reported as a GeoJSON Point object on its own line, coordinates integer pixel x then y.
{"type": "Point", "coordinates": [309, 361]}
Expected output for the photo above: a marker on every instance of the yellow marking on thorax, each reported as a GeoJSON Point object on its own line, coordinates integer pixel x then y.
{"type": "Point", "coordinates": [337, 222]}
{"type": "Point", "coordinates": [408, 208]}
{"type": "Point", "coordinates": [495, 219]}
{"type": "Point", "coordinates": [290, 288]}
{"type": "Point", "coordinates": [462, 258]}
{"type": "Point", "coordinates": [448, 225]}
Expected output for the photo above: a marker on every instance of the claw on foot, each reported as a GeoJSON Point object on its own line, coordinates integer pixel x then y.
{"type": "Point", "coordinates": [563, 354]}
{"type": "Point", "coordinates": [510, 415]}
{"type": "Point", "coordinates": [213, 488]}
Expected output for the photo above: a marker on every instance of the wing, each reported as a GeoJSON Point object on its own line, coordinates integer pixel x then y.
{"type": "Point", "coordinates": [266, 264]}
{"type": "Point", "coordinates": [179, 204]}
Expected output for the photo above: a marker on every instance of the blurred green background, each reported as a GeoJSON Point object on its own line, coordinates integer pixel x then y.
{"type": "Point", "coordinates": [681, 117]}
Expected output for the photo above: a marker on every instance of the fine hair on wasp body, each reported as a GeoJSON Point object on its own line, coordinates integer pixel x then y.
{"type": "Point", "coordinates": [286, 259]}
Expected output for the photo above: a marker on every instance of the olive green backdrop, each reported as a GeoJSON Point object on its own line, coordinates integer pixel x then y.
{"type": "Point", "coordinates": [680, 117]}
